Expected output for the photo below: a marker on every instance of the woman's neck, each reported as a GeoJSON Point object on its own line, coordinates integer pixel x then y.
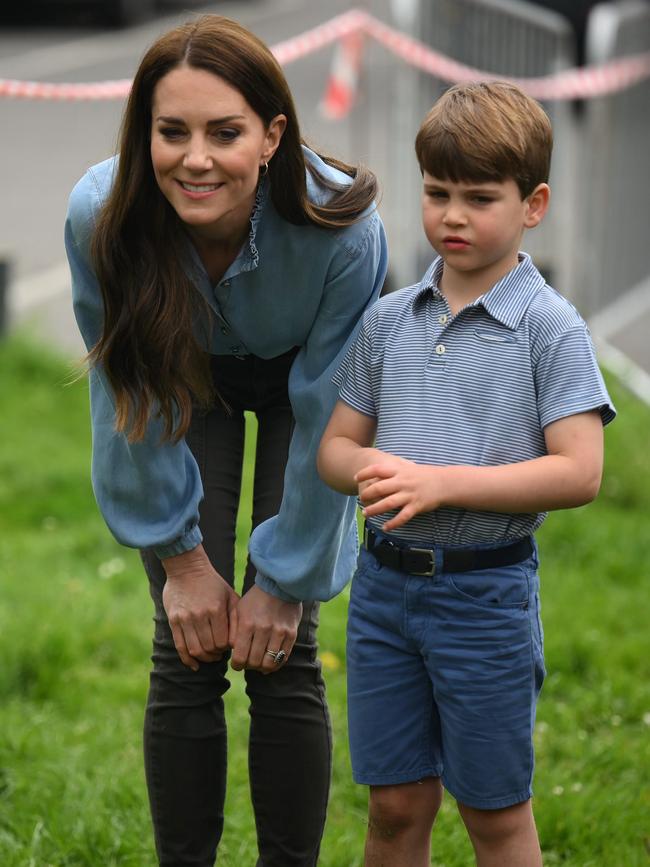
{"type": "Point", "coordinates": [218, 246]}
{"type": "Point", "coordinates": [217, 256]}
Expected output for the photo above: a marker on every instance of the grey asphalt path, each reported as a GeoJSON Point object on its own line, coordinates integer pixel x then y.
{"type": "Point", "coordinates": [633, 341]}
{"type": "Point", "coordinates": [52, 322]}
{"type": "Point", "coordinates": [621, 332]}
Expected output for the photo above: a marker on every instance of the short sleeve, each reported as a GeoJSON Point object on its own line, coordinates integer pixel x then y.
{"type": "Point", "coordinates": [568, 379]}
{"type": "Point", "coordinates": [355, 376]}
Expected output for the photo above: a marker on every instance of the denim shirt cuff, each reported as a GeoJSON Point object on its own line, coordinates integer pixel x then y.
{"type": "Point", "coordinates": [270, 586]}
{"type": "Point", "coordinates": [187, 542]}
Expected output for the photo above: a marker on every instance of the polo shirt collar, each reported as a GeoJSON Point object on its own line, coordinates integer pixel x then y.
{"type": "Point", "coordinates": [506, 301]}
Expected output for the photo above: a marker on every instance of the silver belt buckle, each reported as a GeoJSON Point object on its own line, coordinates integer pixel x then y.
{"type": "Point", "coordinates": [428, 573]}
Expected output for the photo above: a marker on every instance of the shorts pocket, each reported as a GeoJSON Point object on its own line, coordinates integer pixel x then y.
{"type": "Point", "coordinates": [363, 583]}
{"type": "Point", "coordinates": [506, 587]}
{"type": "Point", "coordinates": [537, 631]}
{"type": "Point", "coordinates": [367, 562]}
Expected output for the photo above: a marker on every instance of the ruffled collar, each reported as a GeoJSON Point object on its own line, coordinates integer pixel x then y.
{"type": "Point", "coordinates": [248, 257]}
{"type": "Point", "coordinates": [256, 214]}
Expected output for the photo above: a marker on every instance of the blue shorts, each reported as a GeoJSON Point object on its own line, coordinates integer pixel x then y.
{"type": "Point", "coordinates": [443, 678]}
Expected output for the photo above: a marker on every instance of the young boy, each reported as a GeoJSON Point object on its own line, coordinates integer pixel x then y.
{"type": "Point", "coordinates": [481, 393]}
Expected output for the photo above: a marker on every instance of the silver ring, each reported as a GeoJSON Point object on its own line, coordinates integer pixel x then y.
{"type": "Point", "coordinates": [278, 656]}
{"type": "Point", "coordinates": [274, 653]}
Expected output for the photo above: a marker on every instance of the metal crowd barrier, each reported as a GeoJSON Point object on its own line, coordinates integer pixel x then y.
{"type": "Point", "coordinates": [612, 231]}
{"type": "Point", "coordinates": [506, 37]}
{"type": "Point", "coordinates": [594, 245]}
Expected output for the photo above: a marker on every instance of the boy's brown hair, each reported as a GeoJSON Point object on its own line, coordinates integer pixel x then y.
{"type": "Point", "coordinates": [486, 131]}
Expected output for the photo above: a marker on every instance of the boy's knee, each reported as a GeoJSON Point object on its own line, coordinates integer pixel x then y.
{"type": "Point", "coordinates": [395, 810]}
{"type": "Point", "coordinates": [494, 826]}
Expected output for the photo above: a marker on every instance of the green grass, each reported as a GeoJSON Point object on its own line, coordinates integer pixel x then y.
{"type": "Point", "coordinates": [75, 622]}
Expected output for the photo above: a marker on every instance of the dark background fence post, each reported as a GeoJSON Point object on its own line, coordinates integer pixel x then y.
{"type": "Point", "coordinates": [4, 295]}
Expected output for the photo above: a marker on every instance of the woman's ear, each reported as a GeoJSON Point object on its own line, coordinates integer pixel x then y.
{"type": "Point", "coordinates": [274, 133]}
{"type": "Point", "coordinates": [537, 205]}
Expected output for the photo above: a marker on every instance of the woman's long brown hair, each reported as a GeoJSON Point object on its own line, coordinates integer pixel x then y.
{"type": "Point", "coordinates": [150, 346]}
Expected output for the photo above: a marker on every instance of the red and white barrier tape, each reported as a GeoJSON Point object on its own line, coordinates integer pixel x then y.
{"type": "Point", "coordinates": [318, 37]}
{"type": "Point", "coordinates": [343, 81]}
{"type": "Point", "coordinates": [579, 83]}
{"type": "Point", "coordinates": [66, 92]}
{"type": "Point", "coordinates": [583, 83]}
{"type": "Point", "coordinates": [285, 52]}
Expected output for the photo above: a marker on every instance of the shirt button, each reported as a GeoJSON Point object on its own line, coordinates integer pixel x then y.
{"type": "Point", "coordinates": [440, 349]}
{"type": "Point", "coordinates": [443, 319]}
{"type": "Point", "coordinates": [235, 349]}
{"type": "Point", "coordinates": [226, 283]}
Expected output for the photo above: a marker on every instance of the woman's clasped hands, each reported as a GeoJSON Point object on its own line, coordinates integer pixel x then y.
{"type": "Point", "coordinates": [208, 618]}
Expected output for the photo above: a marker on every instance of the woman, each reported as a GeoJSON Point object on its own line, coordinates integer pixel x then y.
{"type": "Point", "coordinates": [220, 266]}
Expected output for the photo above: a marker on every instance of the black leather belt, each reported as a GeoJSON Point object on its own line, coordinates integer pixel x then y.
{"type": "Point", "coordinates": [422, 561]}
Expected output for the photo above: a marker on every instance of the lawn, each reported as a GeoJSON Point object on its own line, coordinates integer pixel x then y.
{"type": "Point", "coordinates": [75, 621]}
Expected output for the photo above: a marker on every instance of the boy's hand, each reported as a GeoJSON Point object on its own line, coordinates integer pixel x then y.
{"type": "Point", "coordinates": [396, 483]}
{"type": "Point", "coordinates": [363, 486]}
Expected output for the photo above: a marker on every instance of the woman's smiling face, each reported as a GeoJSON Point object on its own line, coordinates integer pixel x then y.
{"type": "Point", "coordinates": [207, 147]}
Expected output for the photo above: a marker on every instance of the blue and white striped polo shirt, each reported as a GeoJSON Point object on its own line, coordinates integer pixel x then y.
{"type": "Point", "coordinates": [477, 388]}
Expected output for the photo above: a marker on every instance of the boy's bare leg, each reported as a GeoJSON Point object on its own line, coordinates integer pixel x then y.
{"type": "Point", "coordinates": [400, 819]}
{"type": "Point", "coordinates": [503, 838]}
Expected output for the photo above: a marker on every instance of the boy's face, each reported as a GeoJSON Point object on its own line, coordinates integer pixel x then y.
{"type": "Point", "coordinates": [477, 227]}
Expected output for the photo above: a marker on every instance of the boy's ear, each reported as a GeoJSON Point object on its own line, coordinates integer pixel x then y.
{"type": "Point", "coordinates": [537, 203]}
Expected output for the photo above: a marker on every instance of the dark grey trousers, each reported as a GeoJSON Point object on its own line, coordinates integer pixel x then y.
{"type": "Point", "coordinates": [185, 731]}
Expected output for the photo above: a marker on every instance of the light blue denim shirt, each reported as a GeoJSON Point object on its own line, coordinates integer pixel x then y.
{"type": "Point", "coordinates": [289, 286]}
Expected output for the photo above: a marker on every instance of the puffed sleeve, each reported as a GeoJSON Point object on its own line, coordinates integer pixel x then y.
{"type": "Point", "coordinates": [148, 492]}
{"type": "Point", "coordinates": [307, 551]}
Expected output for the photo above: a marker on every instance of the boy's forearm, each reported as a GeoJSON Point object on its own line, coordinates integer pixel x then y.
{"type": "Point", "coordinates": [539, 485]}
{"type": "Point", "coordinates": [340, 458]}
